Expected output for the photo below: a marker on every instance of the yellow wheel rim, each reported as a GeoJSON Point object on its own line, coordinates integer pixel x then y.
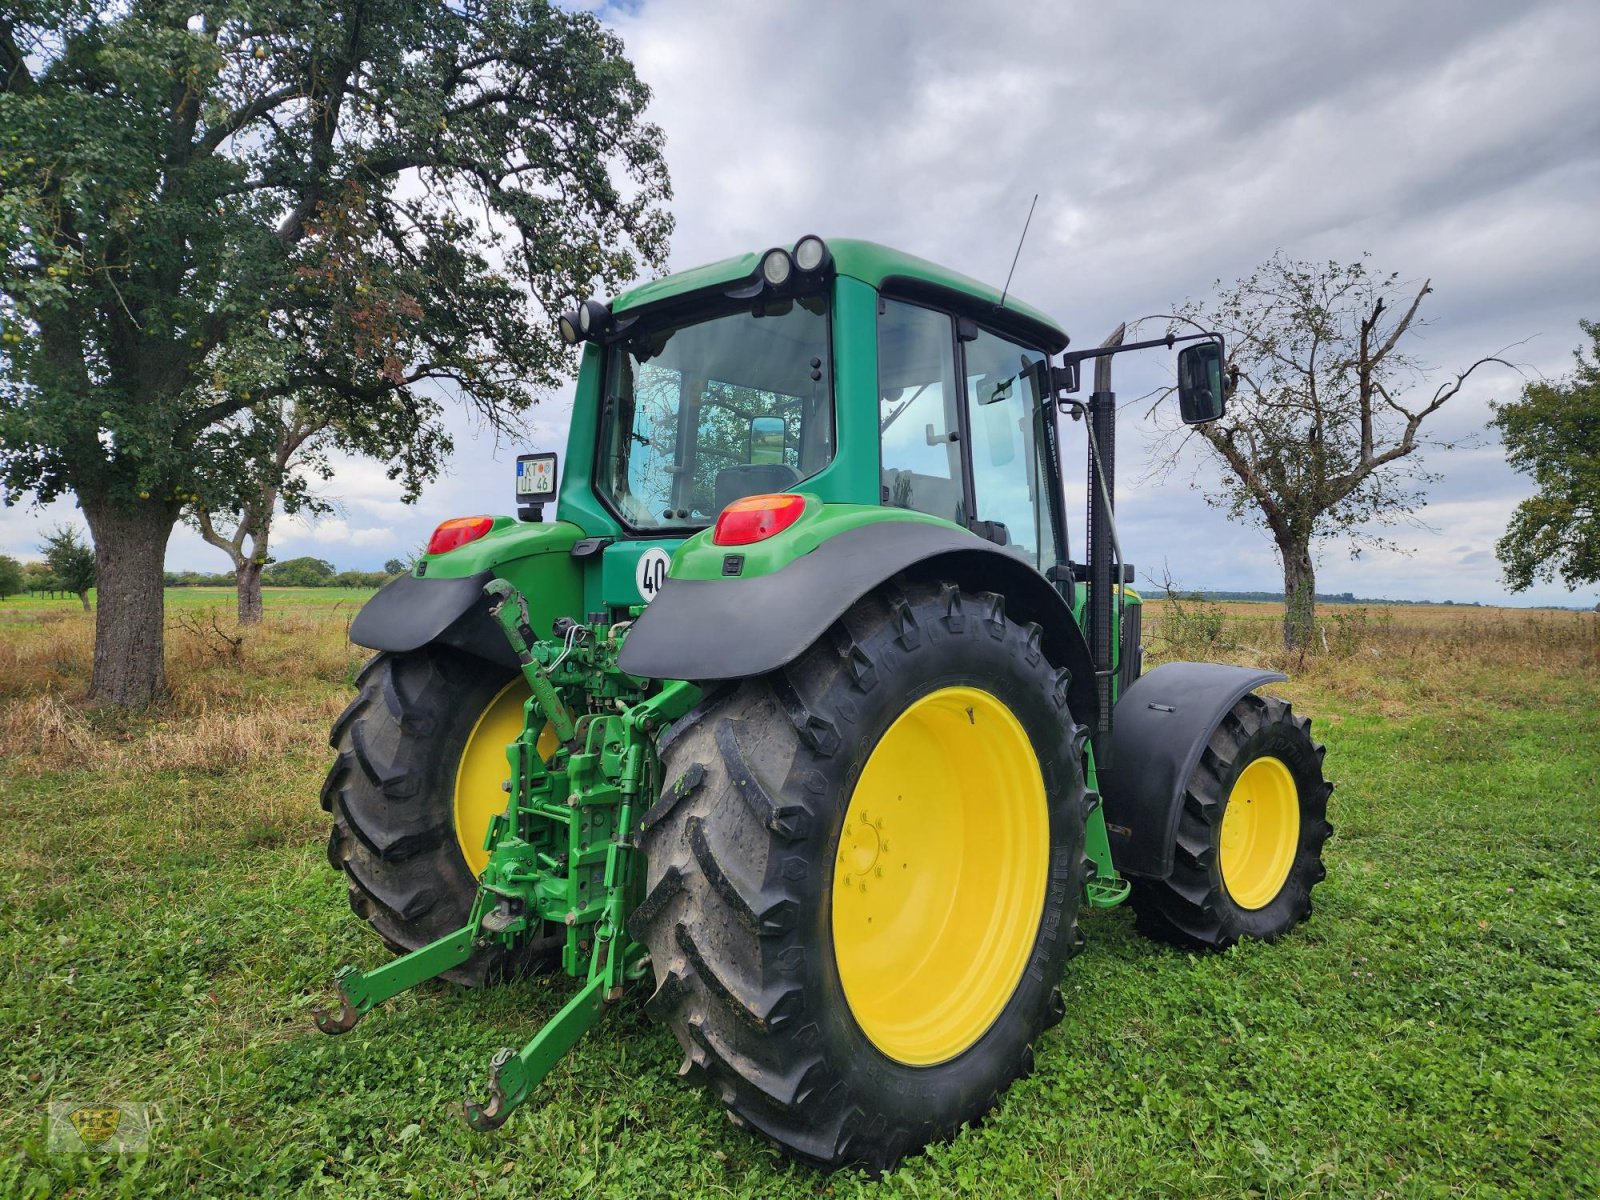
{"type": "Point", "coordinates": [1260, 832]}
{"type": "Point", "coordinates": [483, 770]}
{"type": "Point", "coordinates": [939, 879]}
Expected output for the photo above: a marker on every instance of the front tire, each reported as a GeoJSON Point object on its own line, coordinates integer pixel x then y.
{"type": "Point", "coordinates": [864, 877]}
{"type": "Point", "coordinates": [1250, 834]}
{"type": "Point", "coordinates": [421, 753]}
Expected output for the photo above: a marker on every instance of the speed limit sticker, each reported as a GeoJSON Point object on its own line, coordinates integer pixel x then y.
{"type": "Point", "coordinates": [651, 572]}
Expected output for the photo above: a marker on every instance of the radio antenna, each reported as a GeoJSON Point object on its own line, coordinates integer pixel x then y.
{"type": "Point", "coordinates": [1018, 254]}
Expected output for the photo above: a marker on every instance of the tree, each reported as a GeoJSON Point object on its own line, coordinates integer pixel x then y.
{"type": "Point", "coordinates": [1325, 413]}
{"type": "Point", "coordinates": [1553, 433]}
{"type": "Point", "coordinates": [301, 572]}
{"type": "Point", "coordinates": [38, 578]}
{"type": "Point", "coordinates": [73, 562]}
{"type": "Point", "coordinates": [205, 210]}
{"type": "Point", "coordinates": [291, 438]}
{"type": "Point", "coordinates": [394, 567]}
{"type": "Point", "coordinates": [12, 580]}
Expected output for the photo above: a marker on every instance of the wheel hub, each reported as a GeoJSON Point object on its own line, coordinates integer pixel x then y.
{"type": "Point", "coordinates": [861, 847]}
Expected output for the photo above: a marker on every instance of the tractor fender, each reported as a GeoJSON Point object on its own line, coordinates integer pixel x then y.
{"type": "Point", "coordinates": [1162, 723]}
{"type": "Point", "coordinates": [409, 613]}
{"type": "Point", "coordinates": [732, 628]}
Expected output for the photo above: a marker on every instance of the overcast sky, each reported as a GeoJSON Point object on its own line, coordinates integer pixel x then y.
{"type": "Point", "coordinates": [1170, 145]}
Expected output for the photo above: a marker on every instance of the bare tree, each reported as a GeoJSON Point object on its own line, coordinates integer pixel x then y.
{"type": "Point", "coordinates": [1325, 415]}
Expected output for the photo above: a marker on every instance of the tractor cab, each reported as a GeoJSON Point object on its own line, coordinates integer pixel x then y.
{"type": "Point", "coordinates": [844, 370]}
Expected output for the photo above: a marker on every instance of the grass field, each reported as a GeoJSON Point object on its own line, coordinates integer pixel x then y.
{"type": "Point", "coordinates": [1433, 1031]}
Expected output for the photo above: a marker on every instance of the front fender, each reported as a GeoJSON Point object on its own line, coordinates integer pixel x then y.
{"type": "Point", "coordinates": [731, 628]}
{"type": "Point", "coordinates": [1163, 722]}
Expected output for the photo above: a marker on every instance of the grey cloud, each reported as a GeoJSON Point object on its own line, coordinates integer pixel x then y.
{"type": "Point", "coordinates": [1169, 147]}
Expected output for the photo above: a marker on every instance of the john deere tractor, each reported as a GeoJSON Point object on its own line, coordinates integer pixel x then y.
{"type": "Point", "coordinates": [801, 709]}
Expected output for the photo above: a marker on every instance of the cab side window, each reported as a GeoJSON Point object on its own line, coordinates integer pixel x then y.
{"type": "Point", "coordinates": [918, 412]}
{"type": "Point", "coordinates": [1010, 472]}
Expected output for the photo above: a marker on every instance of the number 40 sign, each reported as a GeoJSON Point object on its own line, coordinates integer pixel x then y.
{"type": "Point", "coordinates": [652, 572]}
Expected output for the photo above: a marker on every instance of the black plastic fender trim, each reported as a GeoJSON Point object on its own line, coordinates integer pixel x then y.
{"type": "Point", "coordinates": [733, 628]}
{"type": "Point", "coordinates": [1162, 723]}
{"type": "Point", "coordinates": [409, 613]}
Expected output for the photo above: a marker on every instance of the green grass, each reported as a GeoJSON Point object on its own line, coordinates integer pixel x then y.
{"type": "Point", "coordinates": [1434, 1030]}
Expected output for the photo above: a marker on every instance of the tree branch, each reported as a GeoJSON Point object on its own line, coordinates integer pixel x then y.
{"type": "Point", "coordinates": [1398, 331]}
{"type": "Point", "coordinates": [242, 117]}
{"type": "Point", "coordinates": [15, 77]}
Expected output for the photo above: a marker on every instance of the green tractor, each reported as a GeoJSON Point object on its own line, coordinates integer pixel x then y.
{"type": "Point", "coordinates": [801, 708]}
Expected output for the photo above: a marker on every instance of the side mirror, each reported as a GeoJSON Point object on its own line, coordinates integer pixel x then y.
{"type": "Point", "coordinates": [768, 439]}
{"type": "Point", "coordinates": [1200, 397]}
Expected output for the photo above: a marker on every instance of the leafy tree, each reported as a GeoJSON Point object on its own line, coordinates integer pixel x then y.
{"type": "Point", "coordinates": [208, 209]}
{"type": "Point", "coordinates": [12, 580]}
{"type": "Point", "coordinates": [1553, 433]}
{"type": "Point", "coordinates": [38, 578]}
{"type": "Point", "coordinates": [359, 579]}
{"type": "Point", "coordinates": [394, 567]}
{"type": "Point", "coordinates": [72, 562]}
{"type": "Point", "coordinates": [1326, 412]}
{"type": "Point", "coordinates": [301, 572]}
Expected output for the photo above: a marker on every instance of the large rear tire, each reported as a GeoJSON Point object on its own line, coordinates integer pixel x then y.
{"type": "Point", "coordinates": [1250, 834]}
{"type": "Point", "coordinates": [864, 876]}
{"type": "Point", "coordinates": [421, 754]}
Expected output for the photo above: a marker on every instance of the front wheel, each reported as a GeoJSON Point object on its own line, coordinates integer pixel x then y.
{"type": "Point", "coordinates": [864, 876]}
{"type": "Point", "coordinates": [1250, 834]}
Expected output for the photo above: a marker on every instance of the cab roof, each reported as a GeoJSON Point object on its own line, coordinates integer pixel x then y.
{"type": "Point", "coordinates": [881, 267]}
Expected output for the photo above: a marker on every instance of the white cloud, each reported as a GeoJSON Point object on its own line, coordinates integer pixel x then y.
{"type": "Point", "coordinates": [1455, 140]}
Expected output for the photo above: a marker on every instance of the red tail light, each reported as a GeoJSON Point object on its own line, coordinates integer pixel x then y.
{"type": "Point", "coordinates": [756, 518]}
{"type": "Point", "coordinates": [458, 531]}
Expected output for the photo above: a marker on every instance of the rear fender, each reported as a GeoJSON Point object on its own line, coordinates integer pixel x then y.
{"type": "Point", "coordinates": [1162, 724]}
{"type": "Point", "coordinates": [734, 626]}
{"type": "Point", "coordinates": [442, 599]}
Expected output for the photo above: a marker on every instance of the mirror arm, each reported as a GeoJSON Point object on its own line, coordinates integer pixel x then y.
{"type": "Point", "coordinates": [1071, 358]}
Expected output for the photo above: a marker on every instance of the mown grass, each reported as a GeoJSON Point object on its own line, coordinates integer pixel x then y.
{"type": "Point", "coordinates": [1433, 1031]}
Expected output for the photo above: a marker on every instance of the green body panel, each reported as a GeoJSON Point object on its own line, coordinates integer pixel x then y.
{"type": "Point", "coordinates": [535, 557]}
{"type": "Point", "coordinates": [576, 501]}
{"type": "Point", "coordinates": [616, 583]}
{"type": "Point", "coordinates": [509, 542]}
{"type": "Point", "coordinates": [701, 558]}
{"type": "Point", "coordinates": [853, 475]}
{"type": "Point", "coordinates": [1106, 888]}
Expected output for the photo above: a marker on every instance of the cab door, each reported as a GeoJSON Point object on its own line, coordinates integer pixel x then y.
{"type": "Point", "coordinates": [1010, 443]}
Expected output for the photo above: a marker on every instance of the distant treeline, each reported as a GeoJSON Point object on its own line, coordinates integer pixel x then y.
{"type": "Point", "coordinates": [1322, 598]}
{"type": "Point", "coordinates": [1349, 598]}
{"type": "Point", "coordinates": [296, 572]}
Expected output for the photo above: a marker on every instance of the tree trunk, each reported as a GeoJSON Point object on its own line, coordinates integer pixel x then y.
{"type": "Point", "coordinates": [247, 581]}
{"type": "Point", "coordinates": [130, 549]}
{"type": "Point", "coordinates": [1299, 595]}
{"type": "Point", "coordinates": [83, 598]}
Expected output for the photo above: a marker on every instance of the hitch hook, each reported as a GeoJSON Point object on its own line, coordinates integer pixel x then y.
{"type": "Point", "coordinates": [345, 1020]}
{"type": "Point", "coordinates": [484, 1118]}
